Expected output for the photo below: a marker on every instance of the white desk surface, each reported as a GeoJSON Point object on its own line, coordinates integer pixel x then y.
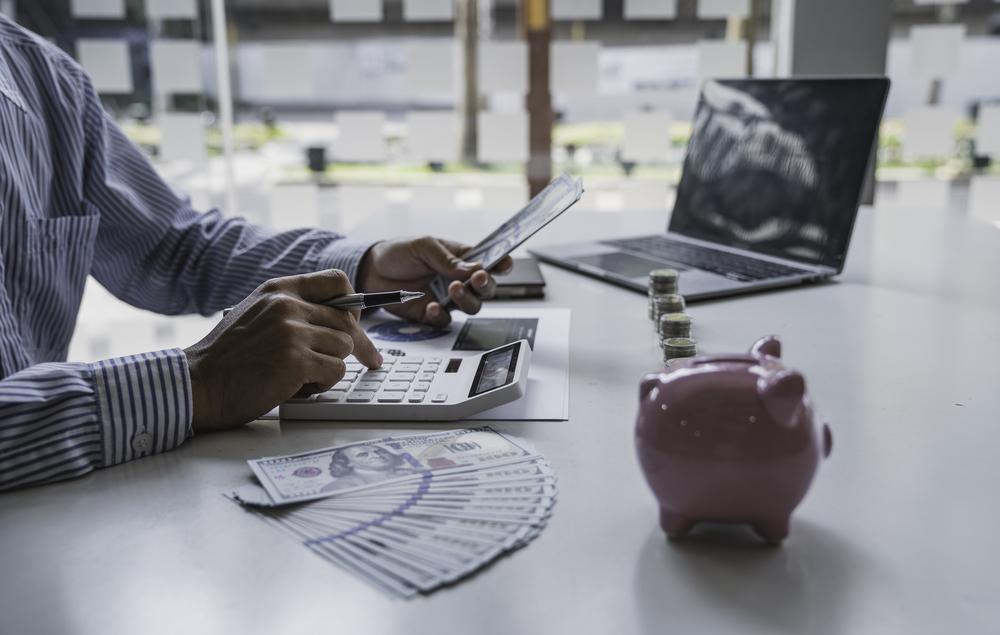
{"type": "Point", "coordinates": [900, 533]}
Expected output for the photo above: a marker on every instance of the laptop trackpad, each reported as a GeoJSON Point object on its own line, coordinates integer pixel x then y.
{"type": "Point", "coordinates": [622, 264]}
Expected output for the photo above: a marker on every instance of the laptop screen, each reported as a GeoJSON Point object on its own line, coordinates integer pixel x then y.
{"type": "Point", "coordinates": [777, 166]}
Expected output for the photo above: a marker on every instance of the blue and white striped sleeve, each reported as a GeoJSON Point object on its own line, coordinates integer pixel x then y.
{"type": "Point", "coordinates": [155, 252]}
{"type": "Point", "coordinates": [62, 420]}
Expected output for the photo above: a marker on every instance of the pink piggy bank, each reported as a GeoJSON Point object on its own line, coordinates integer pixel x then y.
{"type": "Point", "coordinates": [729, 439]}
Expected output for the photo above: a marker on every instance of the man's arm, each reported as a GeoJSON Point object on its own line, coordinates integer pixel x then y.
{"type": "Point", "coordinates": [59, 421]}
{"type": "Point", "coordinates": [155, 252]}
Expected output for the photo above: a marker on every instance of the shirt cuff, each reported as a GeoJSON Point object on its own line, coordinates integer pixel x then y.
{"type": "Point", "coordinates": [144, 403]}
{"type": "Point", "coordinates": [345, 254]}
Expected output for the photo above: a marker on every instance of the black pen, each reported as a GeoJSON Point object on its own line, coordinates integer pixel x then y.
{"type": "Point", "coordinates": [365, 300]}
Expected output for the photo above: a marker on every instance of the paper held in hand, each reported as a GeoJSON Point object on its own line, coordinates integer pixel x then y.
{"type": "Point", "coordinates": [358, 466]}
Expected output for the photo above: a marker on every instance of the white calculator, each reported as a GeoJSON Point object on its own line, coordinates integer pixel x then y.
{"type": "Point", "coordinates": [421, 388]}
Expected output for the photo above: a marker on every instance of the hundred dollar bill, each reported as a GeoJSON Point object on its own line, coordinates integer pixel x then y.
{"type": "Point", "coordinates": [357, 466]}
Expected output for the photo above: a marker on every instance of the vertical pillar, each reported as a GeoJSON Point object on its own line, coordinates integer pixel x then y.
{"type": "Point", "coordinates": [468, 32]}
{"type": "Point", "coordinates": [538, 33]}
{"type": "Point", "coordinates": [819, 37]}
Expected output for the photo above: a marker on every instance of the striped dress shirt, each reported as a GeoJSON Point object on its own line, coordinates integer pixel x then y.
{"type": "Point", "coordinates": [77, 198]}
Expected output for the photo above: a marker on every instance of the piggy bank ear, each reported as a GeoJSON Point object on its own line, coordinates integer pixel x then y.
{"type": "Point", "coordinates": [649, 382]}
{"type": "Point", "coordinates": [781, 395]}
{"type": "Point", "coordinates": [769, 346]}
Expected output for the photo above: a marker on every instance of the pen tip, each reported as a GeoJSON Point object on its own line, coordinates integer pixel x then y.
{"type": "Point", "coordinates": [406, 296]}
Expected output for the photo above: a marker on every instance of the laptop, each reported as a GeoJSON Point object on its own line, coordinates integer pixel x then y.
{"type": "Point", "coordinates": [769, 192]}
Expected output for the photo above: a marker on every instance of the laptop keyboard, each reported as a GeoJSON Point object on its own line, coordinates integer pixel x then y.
{"type": "Point", "coordinates": [727, 264]}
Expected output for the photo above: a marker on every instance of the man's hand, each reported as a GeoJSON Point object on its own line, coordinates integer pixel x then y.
{"type": "Point", "coordinates": [412, 264]}
{"type": "Point", "coordinates": [275, 344]}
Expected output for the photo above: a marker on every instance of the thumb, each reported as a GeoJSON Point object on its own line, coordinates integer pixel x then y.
{"type": "Point", "coordinates": [436, 255]}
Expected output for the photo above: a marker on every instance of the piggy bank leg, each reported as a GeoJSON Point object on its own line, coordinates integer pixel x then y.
{"type": "Point", "coordinates": [675, 525]}
{"type": "Point", "coordinates": [773, 530]}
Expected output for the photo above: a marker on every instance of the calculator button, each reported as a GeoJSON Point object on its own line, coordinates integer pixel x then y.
{"type": "Point", "coordinates": [431, 367]}
{"type": "Point", "coordinates": [434, 359]}
{"type": "Point", "coordinates": [391, 397]}
{"type": "Point", "coordinates": [342, 385]}
{"type": "Point", "coordinates": [426, 377]}
{"type": "Point", "coordinates": [330, 395]}
{"type": "Point", "coordinates": [406, 368]}
{"type": "Point", "coordinates": [367, 385]}
{"type": "Point", "coordinates": [421, 386]}
{"type": "Point", "coordinates": [360, 396]}
{"type": "Point", "coordinates": [416, 397]}
{"type": "Point", "coordinates": [395, 385]}
{"type": "Point", "coordinates": [374, 375]}
{"type": "Point", "coordinates": [403, 377]}
{"type": "Point", "coordinates": [353, 367]}
{"type": "Point", "coordinates": [439, 397]}
{"type": "Point", "coordinates": [350, 376]}
{"type": "Point", "coordinates": [412, 360]}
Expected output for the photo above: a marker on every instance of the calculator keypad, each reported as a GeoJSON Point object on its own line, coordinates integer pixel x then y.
{"type": "Point", "coordinates": [401, 379]}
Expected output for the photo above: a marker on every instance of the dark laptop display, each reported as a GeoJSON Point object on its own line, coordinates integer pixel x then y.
{"type": "Point", "coordinates": [777, 167]}
{"type": "Point", "coordinates": [769, 191]}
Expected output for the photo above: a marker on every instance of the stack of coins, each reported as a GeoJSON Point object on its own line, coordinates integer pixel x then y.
{"type": "Point", "coordinates": [664, 304]}
{"type": "Point", "coordinates": [675, 347]}
{"type": "Point", "coordinates": [661, 282]}
{"type": "Point", "coordinates": [674, 325]}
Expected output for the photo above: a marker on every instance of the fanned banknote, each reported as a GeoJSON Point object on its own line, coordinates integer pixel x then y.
{"type": "Point", "coordinates": [440, 507]}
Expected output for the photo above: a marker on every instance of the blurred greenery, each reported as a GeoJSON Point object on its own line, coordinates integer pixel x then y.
{"type": "Point", "coordinates": [601, 139]}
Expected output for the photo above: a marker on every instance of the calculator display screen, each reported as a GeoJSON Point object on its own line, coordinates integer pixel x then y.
{"type": "Point", "coordinates": [496, 369]}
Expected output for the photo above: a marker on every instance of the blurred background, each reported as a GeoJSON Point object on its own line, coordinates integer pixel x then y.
{"type": "Point", "coordinates": [328, 112]}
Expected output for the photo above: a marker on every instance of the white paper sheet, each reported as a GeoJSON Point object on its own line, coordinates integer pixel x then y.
{"type": "Point", "coordinates": [984, 198]}
{"type": "Point", "coordinates": [647, 136]}
{"type": "Point", "coordinates": [176, 66]}
{"type": "Point", "coordinates": [356, 10]}
{"type": "Point", "coordinates": [182, 137]}
{"type": "Point", "coordinates": [574, 68]}
{"type": "Point", "coordinates": [722, 59]}
{"type": "Point", "coordinates": [936, 49]}
{"type": "Point", "coordinates": [503, 67]}
{"type": "Point", "coordinates": [432, 136]}
{"type": "Point", "coordinates": [712, 9]}
{"type": "Point", "coordinates": [172, 9]}
{"type": "Point", "coordinates": [431, 68]}
{"type": "Point", "coordinates": [359, 136]}
{"type": "Point", "coordinates": [576, 9]}
{"type": "Point", "coordinates": [503, 137]}
{"type": "Point", "coordinates": [294, 205]}
{"type": "Point", "coordinates": [988, 131]}
{"type": "Point", "coordinates": [428, 10]}
{"type": "Point", "coordinates": [929, 133]}
{"type": "Point", "coordinates": [114, 9]}
{"type": "Point", "coordinates": [108, 63]}
{"type": "Point", "coordinates": [547, 397]}
{"type": "Point", "coordinates": [650, 9]}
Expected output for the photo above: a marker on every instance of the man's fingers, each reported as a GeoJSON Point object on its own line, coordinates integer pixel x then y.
{"type": "Point", "coordinates": [483, 285]}
{"type": "Point", "coordinates": [504, 266]}
{"type": "Point", "coordinates": [436, 315]}
{"type": "Point", "coordinates": [318, 286]}
{"type": "Point", "coordinates": [364, 350]}
{"type": "Point", "coordinates": [464, 298]}
{"type": "Point", "coordinates": [440, 256]}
